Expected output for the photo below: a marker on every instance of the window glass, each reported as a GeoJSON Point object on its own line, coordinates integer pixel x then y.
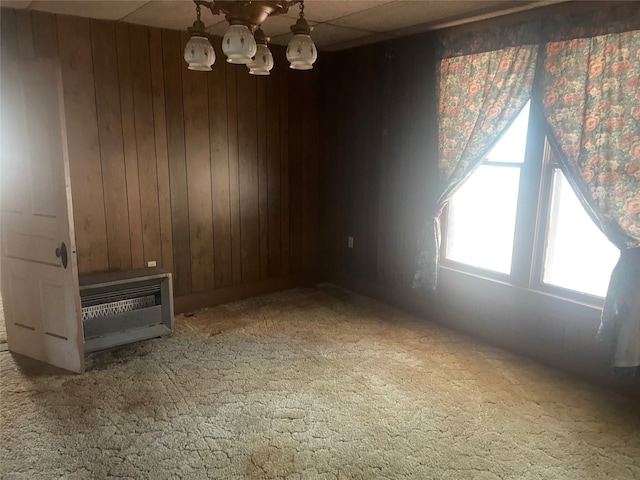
{"type": "Point", "coordinates": [512, 145]}
{"type": "Point", "coordinates": [577, 255]}
{"type": "Point", "coordinates": [482, 217]}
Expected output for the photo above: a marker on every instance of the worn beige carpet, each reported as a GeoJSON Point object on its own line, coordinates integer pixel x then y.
{"type": "Point", "coordinates": [3, 330]}
{"type": "Point", "coordinates": [305, 384]}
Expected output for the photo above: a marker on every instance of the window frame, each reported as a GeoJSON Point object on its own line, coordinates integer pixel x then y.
{"type": "Point", "coordinates": [533, 216]}
{"type": "Point", "coordinates": [550, 164]}
{"type": "Point", "coordinates": [444, 225]}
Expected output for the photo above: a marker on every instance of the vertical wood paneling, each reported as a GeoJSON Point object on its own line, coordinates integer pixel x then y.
{"type": "Point", "coordinates": [189, 169]}
{"type": "Point", "coordinates": [248, 177]}
{"type": "Point", "coordinates": [74, 45]}
{"type": "Point", "coordinates": [380, 176]}
{"type": "Point", "coordinates": [307, 224]}
{"type": "Point", "coordinates": [296, 161]}
{"type": "Point", "coordinates": [198, 158]}
{"type": "Point", "coordinates": [273, 173]}
{"type": "Point", "coordinates": [45, 39]}
{"type": "Point", "coordinates": [234, 193]}
{"type": "Point", "coordinates": [311, 175]}
{"type": "Point", "coordinates": [173, 67]}
{"type": "Point", "coordinates": [145, 142]}
{"type": "Point", "coordinates": [370, 116]}
{"type": "Point", "coordinates": [220, 172]}
{"type": "Point", "coordinates": [284, 162]}
{"type": "Point", "coordinates": [332, 87]}
{"type": "Point", "coordinates": [105, 69]}
{"type": "Point", "coordinates": [383, 244]}
{"type": "Point", "coordinates": [162, 157]}
{"type": "Point", "coordinates": [130, 149]}
{"type": "Point", "coordinates": [261, 84]}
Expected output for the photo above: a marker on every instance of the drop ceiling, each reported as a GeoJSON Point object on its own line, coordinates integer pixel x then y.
{"type": "Point", "coordinates": [338, 24]}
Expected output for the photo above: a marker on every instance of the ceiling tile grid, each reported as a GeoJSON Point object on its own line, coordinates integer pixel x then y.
{"type": "Point", "coordinates": [173, 14]}
{"type": "Point", "coordinates": [400, 14]}
{"type": "Point", "coordinates": [338, 24]}
{"type": "Point", "coordinates": [324, 11]}
{"type": "Point", "coordinates": [102, 9]}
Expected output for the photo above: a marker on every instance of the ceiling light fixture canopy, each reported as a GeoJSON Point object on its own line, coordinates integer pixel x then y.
{"type": "Point", "coordinates": [244, 42]}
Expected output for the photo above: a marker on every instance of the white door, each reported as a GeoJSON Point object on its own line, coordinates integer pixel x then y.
{"type": "Point", "coordinates": [39, 283]}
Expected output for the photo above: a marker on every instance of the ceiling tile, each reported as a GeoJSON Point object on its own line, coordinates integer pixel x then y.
{"type": "Point", "coordinates": [282, 39]}
{"type": "Point", "coordinates": [103, 9]}
{"type": "Point", "coordinates": [323, 10]}
{"type": "Point", "coordinates": [376, 37]}
{"type": "Point", "coordinates": [338, 24]}
{"type": "Point", "coordinates": [405, 13]}
{"type": "Point", "coordinates": [326, 34]}
{"type": "Point", "coordinates": [279, 25]}
{"type": "Point", "coordinates": [176, 14]}
{"type": "Point", "coordinates": [218, 28]}
{"type": "Point", "coordinates": [490, 10]}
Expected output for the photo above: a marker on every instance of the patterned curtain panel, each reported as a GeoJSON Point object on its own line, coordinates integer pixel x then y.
{"type": "Point", "coordinates": [480, 94]}
{"type": "Point", "coordinates": [589, 88]}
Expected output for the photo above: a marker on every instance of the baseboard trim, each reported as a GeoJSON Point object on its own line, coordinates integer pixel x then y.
{"type": "Point", "coordinates": [211, 298]}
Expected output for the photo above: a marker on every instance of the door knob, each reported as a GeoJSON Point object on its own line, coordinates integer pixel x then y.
{"type": "Point", "coordinates": [61, 252]}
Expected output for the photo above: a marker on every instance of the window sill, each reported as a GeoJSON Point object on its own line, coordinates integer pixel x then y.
{"type": "Point", "coordinates": [453, 278]}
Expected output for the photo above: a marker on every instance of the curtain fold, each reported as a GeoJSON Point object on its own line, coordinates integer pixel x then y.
{"type": "Point", "coordinates": [620, 324]}
{"type": "Point", "coordinates": [589, 90]}
{"type": "Point", "coordinates": [479, 96]}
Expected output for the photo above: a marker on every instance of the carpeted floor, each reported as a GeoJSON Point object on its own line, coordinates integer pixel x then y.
{"type": "Point", "coordinates": [3, 330]}
{"type": "Point", "coordinates": [305, 384]}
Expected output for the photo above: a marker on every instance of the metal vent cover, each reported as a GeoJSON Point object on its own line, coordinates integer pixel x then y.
{"type": "Point", "coordinates": [117, 294]}
{"type": "Point", "coordinates": [118, 307]}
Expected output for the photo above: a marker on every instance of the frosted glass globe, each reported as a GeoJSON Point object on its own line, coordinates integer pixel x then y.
{"type": "Point", "coordinates": [239, 45]}
{"type": "Point", "coordinates": [199, 54]}
{"type": "Point", "coordinates": [301, 52]}
{"type": "Point", "coordinates": [263, 61]}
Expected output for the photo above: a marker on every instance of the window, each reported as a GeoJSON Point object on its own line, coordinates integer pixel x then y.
{"type": "Point", "coordinates": [518, 220]}
{"type": "Point", "coordinates": [572, 237]}
{"type": "Point", "coordinates": [482, 214]}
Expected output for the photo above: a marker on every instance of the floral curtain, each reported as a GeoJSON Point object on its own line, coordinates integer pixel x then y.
{"type": "Point", "coordinates": [589, 88]}
{"type": "Point", "coordinates": [484, 81]}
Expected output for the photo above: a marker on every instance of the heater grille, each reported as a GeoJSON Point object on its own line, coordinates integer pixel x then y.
{"type": "Point", "coordinates": [118, 307]}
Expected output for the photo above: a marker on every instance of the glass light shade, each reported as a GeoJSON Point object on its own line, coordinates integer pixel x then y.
{"type": "Point", "coordinates": [301, 52]}
{"type": "Point", "coordinates": [262, 63]}
{"type": "Point", "coordinates": [199, 54]}
{"type": "Point", "coordinates": [239, 45]}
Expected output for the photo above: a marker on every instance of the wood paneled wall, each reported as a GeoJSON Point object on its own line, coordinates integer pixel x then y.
{"type": "Point", "coordinates": [213, 176]}
{"type": "Point", "coordinates": [379, 157]}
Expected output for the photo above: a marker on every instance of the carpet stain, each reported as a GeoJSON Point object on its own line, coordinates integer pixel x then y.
{"type": "Point", "coordinates": [311, 384]}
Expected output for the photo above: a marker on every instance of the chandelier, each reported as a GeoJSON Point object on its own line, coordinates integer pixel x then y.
{"type": "Point", "coordinates": [244, 42]}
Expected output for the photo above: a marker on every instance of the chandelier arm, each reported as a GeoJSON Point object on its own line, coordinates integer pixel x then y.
{"type": "Point", "coordinates": [210, 5]}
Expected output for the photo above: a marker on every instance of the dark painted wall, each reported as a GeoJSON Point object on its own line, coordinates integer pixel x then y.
{"type": "Point", "coordinates": [380, 162]}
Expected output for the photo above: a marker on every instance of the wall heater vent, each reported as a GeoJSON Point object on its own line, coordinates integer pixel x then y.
{"type": "Point", "coordinates": [125, 307]}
